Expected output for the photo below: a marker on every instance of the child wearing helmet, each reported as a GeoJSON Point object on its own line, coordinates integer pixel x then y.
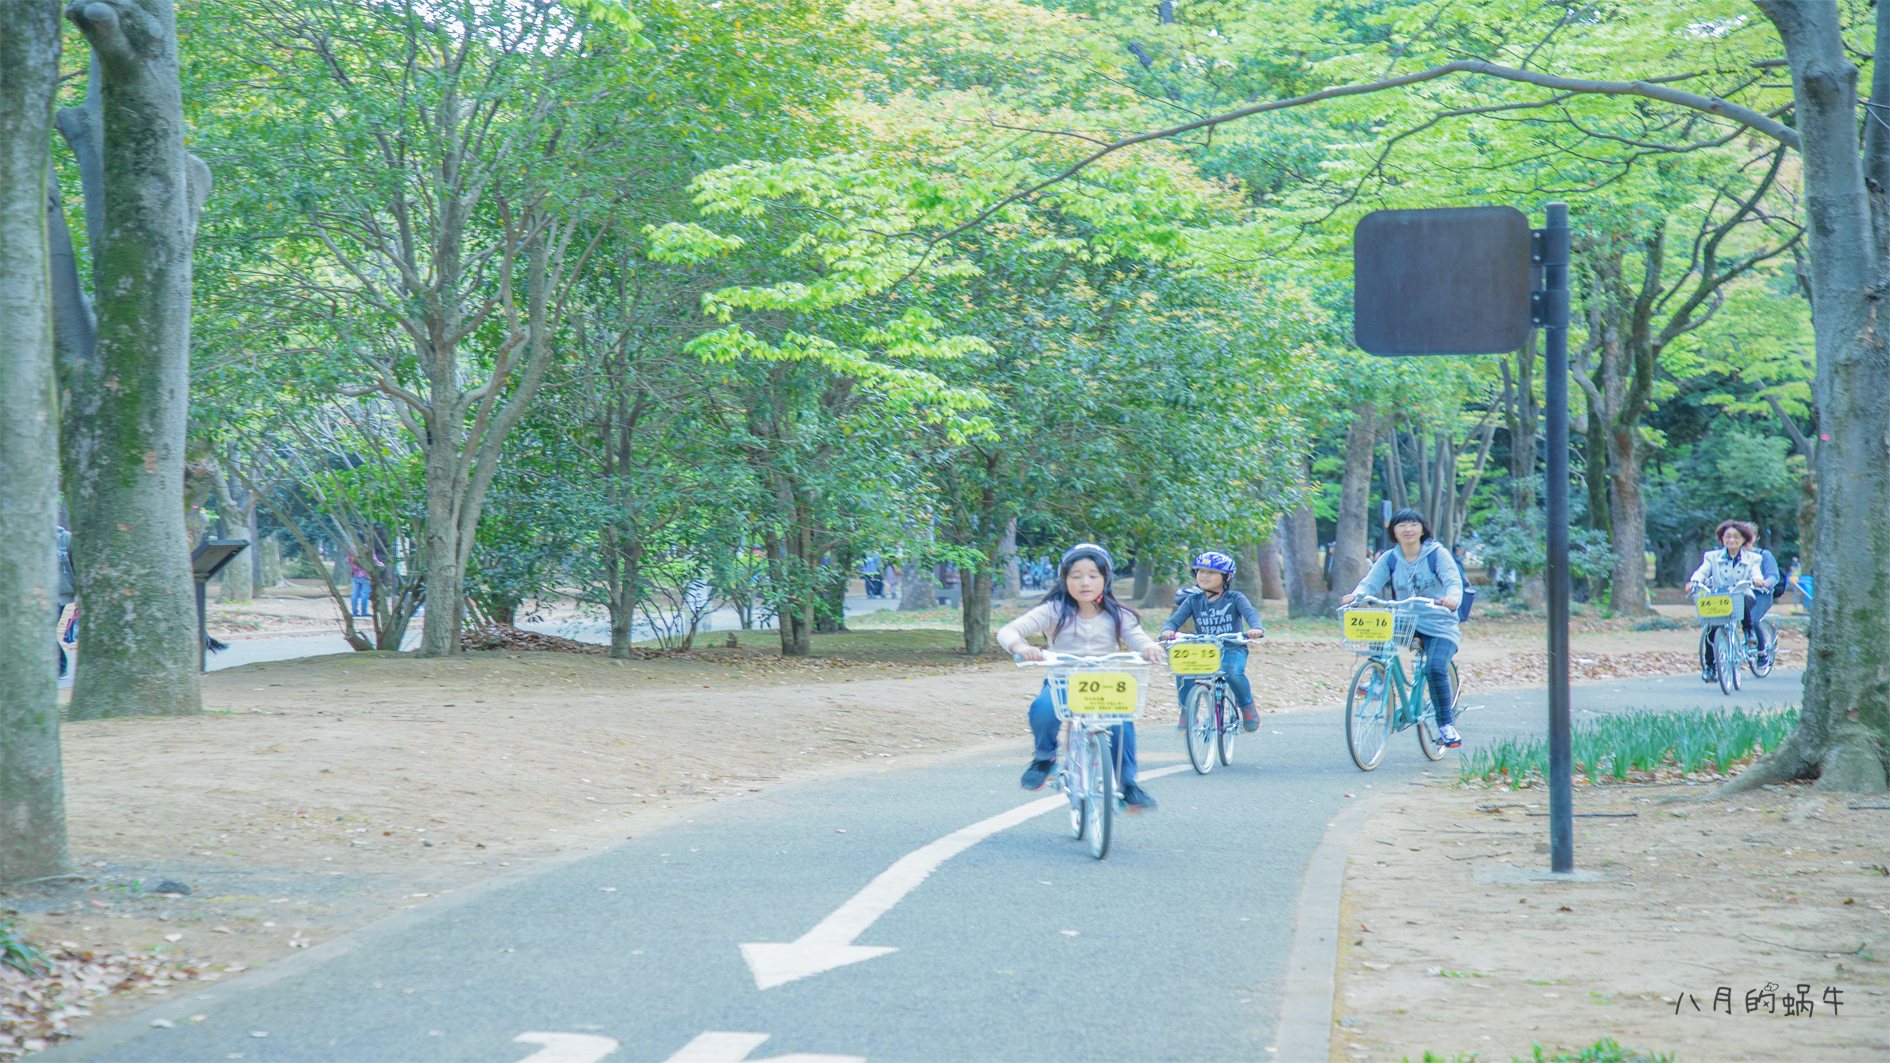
{"type": "Point", "coordinates": [1219, 610]}
{"type": "Point", "coordinates": [1080, 615]}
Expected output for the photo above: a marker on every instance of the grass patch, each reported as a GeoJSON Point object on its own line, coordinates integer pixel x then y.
{"type": "Point", "coordinates": [1606, 1050]}
{"type": "Point", "coordinates": [1641, 743]}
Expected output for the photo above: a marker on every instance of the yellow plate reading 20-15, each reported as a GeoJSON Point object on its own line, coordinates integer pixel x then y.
{"type": "Point", "coordinates": [1194, 658]}
{"type": "Point", "coordinates": [1714, 605]}
{"type": "Point", "coordinates": [1368, 625]}
{"type": "Point", "coordinates": [1102, 694]}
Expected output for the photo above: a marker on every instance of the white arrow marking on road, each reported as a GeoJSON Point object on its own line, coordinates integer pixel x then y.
{"type": "Point", "coordinates": [566, 1047]}
{"type": "Point", "coordinates": [830, 943]}
{"type": "Point", "coordinates": [716, 1046]}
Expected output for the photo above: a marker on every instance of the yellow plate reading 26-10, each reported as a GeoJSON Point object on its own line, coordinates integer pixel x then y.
{"type": "Point", "coordinates": [1714, 605]}
{"type": "Point", "coordinates": [1368, 625]}
{"type": "Point", "coordinates": [1102, 694]}
{"type": "Point", "coordinates": [1194, 658]}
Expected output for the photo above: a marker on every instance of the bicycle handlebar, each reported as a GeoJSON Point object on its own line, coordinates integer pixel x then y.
{"type": "Point", "coordinates": [1741, 587]}
{"type": "Point", "coordinates": [1229, 638]}
{"type": "Point", "coordinates": [1052, 657]}
{"type": "Point", "coordinates": [1412, 603]}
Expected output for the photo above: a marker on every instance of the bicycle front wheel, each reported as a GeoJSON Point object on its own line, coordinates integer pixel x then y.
{"type": "Point", "coordinates": [1368, 714]}
{"type": "Point", "coordinates": [1723, 659]}
{"type": "Point", "coordinates": [1228, 715]}
{"type": "Point", "coordinates": [1197, 722]}
{"type": "Point", "coordinates": [1101, 795]}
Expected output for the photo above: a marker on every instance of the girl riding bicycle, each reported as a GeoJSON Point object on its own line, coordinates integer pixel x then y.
{"type": "Point", "coordinates": [1721, 569]}
{"type": "Point", "coordinates": [1081, 616]}
{"type": "Point", "coordinates": [1220, 611]}
{"type": "Point", "coordinates": [1419, 565]}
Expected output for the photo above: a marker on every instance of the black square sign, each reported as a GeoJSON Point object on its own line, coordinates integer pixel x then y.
{"type": "Point", "coordinates": [1450, 280]}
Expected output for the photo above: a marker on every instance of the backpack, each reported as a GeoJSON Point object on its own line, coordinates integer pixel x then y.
{"type": "Point", "coordinates": [1469, 593]}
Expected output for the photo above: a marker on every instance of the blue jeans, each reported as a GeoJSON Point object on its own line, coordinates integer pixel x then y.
{"type": "Point", "coordinates": [1045, 726]}
{"type": "Point", "coordinates": [358, 601]}
{"type": "Point", "coordinates": [1437, 655]}
{"type": "Point", "coordinates": [1234, 667]}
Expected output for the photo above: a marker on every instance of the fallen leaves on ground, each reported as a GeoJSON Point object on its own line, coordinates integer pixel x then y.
{"type": "Point", "coordinates": [36, 1010]}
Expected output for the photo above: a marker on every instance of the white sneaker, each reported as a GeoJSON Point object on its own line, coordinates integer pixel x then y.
{"type": "Point", "coordinates": [1448, 737]}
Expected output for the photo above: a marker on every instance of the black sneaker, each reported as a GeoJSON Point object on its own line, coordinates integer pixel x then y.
{"type": "Point", "coordinates": [1035, 775]}
{"type": "Point", "coordinates": [1137, 800]}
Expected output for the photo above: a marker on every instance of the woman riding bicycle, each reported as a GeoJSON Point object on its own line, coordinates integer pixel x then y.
{"type": "Point", "coordinates": [1419, 565]}
{"type": "Point", "coordinates": [1720, 569]}
{"type": "Point", "coordinates": [1220, 610]}
{"type": "Point", "coordinates": [1080, 616]}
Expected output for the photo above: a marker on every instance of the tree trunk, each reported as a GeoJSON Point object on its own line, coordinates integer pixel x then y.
{"type": "Point", "coordinates": [1271, 584]}
{"type": "Point", "coordinates": [1845, 723]}
{"type": "Point", "coordinates": [1628, 516]}
{"type": "Point", "coordinates": [130, 398]}
{"type": "Point", "coordinates": [1247, 572]}
{"type": "Point", "coordinates": [1162, 585]}
{"type": "Point", "coordinates": [1306, 591]}
{"type": "Point", "coordinates": [1523, 418]}
{"type": "Point", "coordinates": [918, 590]}
{"type": "Point", "coordinates": [271, 563]}
{"type": "Point", "coordinates": [32, 790]}
{"type": "Point", "coordinates": [1355, 490]}
{"type": "Point", "coordinates": [1144, 575]}
{"type": "Point", "coordinates": [975, 603]}
{"type": "Point", "coordinates": [236, 582]}
{"type": "Point", "coordinates": [1007, 557]}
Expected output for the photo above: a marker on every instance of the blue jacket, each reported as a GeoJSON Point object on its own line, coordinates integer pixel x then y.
{"type": "Point", "coordinates": [1407, 578]}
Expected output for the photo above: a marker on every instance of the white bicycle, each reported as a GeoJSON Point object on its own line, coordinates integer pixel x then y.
{"type": "Point", "coordinates": [1092, 695]}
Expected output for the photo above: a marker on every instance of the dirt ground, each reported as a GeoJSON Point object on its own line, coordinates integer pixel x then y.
{"type": "Point", "coordinates": [1768, 890]}
{"type": "Point", "coordinates": [320, 794]}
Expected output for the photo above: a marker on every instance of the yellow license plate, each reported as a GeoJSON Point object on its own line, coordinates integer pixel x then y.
{"type": "Point", "coordinates": [1713, 606]}
{"type": "Point", "coordinates": [1368, 625]}
{"type": "Point", "coordinates": [1102, 694]}
{"type": "Point", "coordinates": [1194, 658]}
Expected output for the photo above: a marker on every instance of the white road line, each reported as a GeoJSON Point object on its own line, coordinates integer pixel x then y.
{"type": "Point", "coordinates": [570, 1047]}
{"type": "Point", "coordinates": [830, 943]}
{"type": "Point", "coordinates": [717, 1046]}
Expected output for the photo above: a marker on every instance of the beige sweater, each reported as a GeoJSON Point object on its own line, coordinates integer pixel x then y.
{"type": "Point", "coordinates": [1089, 638]}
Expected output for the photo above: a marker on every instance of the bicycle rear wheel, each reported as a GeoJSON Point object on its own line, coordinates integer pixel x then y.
{"type": "Point", "coordinates": [1227, 714]}
{"type": "Point", "coordinates": [1706, 653]}
{"type": "Point", "coordinates": [1100, 796]}
{"type": "Point", "coordinates": [1723, 665]}
{"type": "Point", "coordinates": [1197, 723]}
{"type": "Point", "coordinates": [1430, 740]}
{"type": "Point", "coordinates": [1762, 661]}
{"type": "Point", "coordinates": [1368, 714]}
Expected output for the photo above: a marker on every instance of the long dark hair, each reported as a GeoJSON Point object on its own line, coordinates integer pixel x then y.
{"type": "Point", "coordinates": [1067, 606]}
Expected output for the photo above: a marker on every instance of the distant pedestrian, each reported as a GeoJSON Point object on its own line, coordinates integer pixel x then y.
{"type": "Point", "coordinates": [359, 603]}
{"type": "Point", "coordinates": [870, 575]}
{"type": "Point", "coordinates": [892, 579]}
{"type": "Point", "coordinates": [68, 593]}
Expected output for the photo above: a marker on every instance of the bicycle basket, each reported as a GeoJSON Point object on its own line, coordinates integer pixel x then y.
{"type": "Point", "coordinates": [1371, 630]}
{"type": "Point", "coordinates": [1714, 609]}
{"type": "Point", "coordinates": [1109, 692]}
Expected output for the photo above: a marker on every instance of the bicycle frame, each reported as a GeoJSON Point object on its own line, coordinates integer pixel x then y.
{"type": "Point", "coordinates": [1225, 723]}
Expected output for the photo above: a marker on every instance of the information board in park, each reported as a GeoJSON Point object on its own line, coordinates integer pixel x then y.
{"type": "Point", "coordinates": [1447, 280]}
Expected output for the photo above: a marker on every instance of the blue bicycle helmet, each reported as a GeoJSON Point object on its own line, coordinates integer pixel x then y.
{"type": "Point", "coordinates": [1215, 561]}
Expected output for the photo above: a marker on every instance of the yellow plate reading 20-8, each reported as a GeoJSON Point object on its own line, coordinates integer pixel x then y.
{"type": "Point", "coordinates": [1102, 694]}
{"type": "Point", "coordinates": [1714, 605]}
{"type": "Point", "coordinates": [1368, 625]}
{"type": "Point", "coordinates": [1194, 658]}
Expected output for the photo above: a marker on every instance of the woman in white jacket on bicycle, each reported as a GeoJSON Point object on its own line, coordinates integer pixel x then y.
{"type": "Point", "coordinates": [1719, 570]}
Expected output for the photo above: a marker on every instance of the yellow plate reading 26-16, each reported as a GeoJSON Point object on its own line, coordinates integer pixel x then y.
{"type": "Point", "coordinates": [1194, 658]}
{"type": "Point", "coordinates": [1368, 625]}
{"type": "Point", "coordinates": [1102, 694]}
{"type": "Point", "coordinates": [1714, 605]}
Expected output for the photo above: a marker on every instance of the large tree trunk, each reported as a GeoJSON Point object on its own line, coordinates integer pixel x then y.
{"type": "Point", "coordinates": [32, 791]}
{"type": "Point", "coordinates": [1305, 574]}
{"type": "Point", "coordinates": [917, 588]}
{"type": "Point", "coordinates": [1007, 557]}
{"type": "Point", "coordinates": [1845, 723]}
{"type": "Point", "coordinates": [126, 417]}
{"type": "Point", "coordinates": [1355, 491]}
{"type": "Point", "coordinates": [1272, 585]}
{"type": "Point", "coordinates": [1247, 574]}
{"type": "Point", "coordinates": [271, 551]}
{"type": "Point", "coordinates": [1522, 417]}
{"type": "Point", "coordinates": [1628, 515]}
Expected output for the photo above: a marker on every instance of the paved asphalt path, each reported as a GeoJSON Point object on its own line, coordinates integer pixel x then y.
{"type": "Point", "coordinates": [1020, 947]}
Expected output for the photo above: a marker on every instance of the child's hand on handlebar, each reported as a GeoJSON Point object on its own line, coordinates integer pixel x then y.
{"type": "Point", "coordinates": [1256, 633]}
{"type": "Point", "coordinates": [1029, 653]}
{"type": "Point", "coordinates": [1347, 600]}
{"type": "Point", "coordinates": [1153, 655]}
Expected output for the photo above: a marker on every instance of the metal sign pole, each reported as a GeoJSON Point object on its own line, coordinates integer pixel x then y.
{"type": "Point", "coordinates": [1552, 312]}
